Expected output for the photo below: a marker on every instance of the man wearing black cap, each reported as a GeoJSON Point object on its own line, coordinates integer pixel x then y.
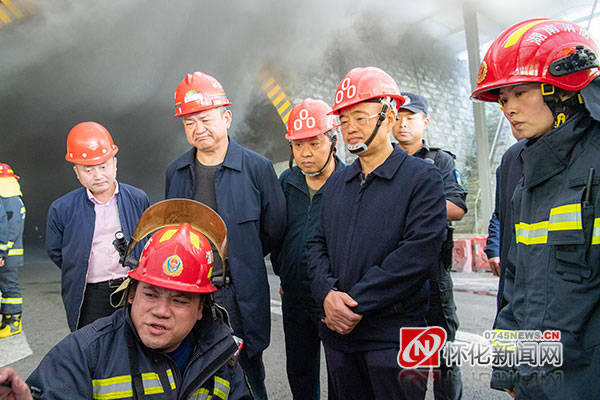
{"type": "Point", "coordinates": [408, 131]}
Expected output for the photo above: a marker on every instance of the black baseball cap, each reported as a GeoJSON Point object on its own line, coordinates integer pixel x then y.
{"type": "Point", "coordinates": [414, 103]}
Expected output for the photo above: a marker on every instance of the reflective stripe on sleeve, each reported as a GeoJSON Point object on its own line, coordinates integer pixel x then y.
{"type": "Point", "coordinates": [222, 388]}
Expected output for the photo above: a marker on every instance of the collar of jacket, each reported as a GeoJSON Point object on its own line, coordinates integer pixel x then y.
{"type": "Point", "coordinates": [550, 154]}
{"type": "Point", "coordinates": [297, 179]}
{"type": "Point", "coordinates": [84, 192]}
{"type": "Point", "coordinates": [233, 157]}
{"type": "Point", "coordinates": [387, 170]}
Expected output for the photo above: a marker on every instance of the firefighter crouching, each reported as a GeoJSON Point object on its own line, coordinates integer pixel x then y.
{"type": "Point", "coordinates": [12, 221]}
{"type": "Point", "coordinates": [545, 75]}
{"type": "Point", "coordinates": [169, 342]}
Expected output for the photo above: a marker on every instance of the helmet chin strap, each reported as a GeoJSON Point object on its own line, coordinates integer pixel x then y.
{"type": "Point", "coordinates": [561, 109]}
{"type": "Point", "coordinates": [362, 147]}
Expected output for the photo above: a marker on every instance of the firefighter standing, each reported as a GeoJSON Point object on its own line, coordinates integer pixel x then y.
{"type": "Point", "coordinates": [81, 225]}
{"type": "Point", "coordinates": [408, 131]}
{"type": "Point", "coordinates": [12, 222]}
{"type": "Point", "coordinates": [545, 75]}
{"type": "Point", "coordinates": [169, 342]}
{"type": "Point", "coordinates": [312, 133]}
{"type": "Point", "coordinates": [379, 236]}
{"type": "Point", "coordinates": [242, 186]}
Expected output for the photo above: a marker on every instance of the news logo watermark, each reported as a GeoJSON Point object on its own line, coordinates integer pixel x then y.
{"type": "Point", "coordinates": [427, 347]}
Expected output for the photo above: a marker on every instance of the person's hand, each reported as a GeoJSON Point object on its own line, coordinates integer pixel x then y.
{"type": "Point", "coordinates": [18, 389]}
{"type": "Point", "coordinates": [1, 261]}
{"type": "Point", "coordinates": [511, 392]}
{"type": "Point", "coordinates": [338, 315]}
{"type": "Point", "coordinates": [280, 292]}
{"type": "Point", "coordinates": [495, 265]}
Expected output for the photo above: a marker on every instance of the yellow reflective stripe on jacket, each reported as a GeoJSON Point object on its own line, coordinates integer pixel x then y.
{"type": "Point", "coordinates": [12, 300]}
{"type": "Point", "coordinates": [15, 252]}
{"type": "Point", "coordinates": [10, 244]}
{"type": "Point", "coordinates": [3, 246]}
{"type": "Point", "coordinates": [120, 387]}
{"type": "Point", "coordinates": [531, 233]}
{"type": "Point", "coordinates": [23, 210]}
{"type": "Point", "coordinates": [221, 390]}
{"type": "Point", "coordinates": [596, 235]}
{"type": "Point", "coordinates": [565, 218]}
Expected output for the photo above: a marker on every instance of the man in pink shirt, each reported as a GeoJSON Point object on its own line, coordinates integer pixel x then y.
{"type": "Point", "coordinates": [82, 224]}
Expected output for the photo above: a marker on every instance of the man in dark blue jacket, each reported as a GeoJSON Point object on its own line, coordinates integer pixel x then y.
{"type": "Point", "coordinates": [242, 187]}
{"type": "Point", "coordinates": [81, 225]}
{"type": "Point", "coordinates": [169, 342]}
{"type": "Point", "coordinates": [383, 220]}
{"type": "Point", "coordinates": [312, 133]}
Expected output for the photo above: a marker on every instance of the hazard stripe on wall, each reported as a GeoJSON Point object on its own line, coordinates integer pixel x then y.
{"type": "Point", "coordinates": [277, 96]}
{"type": "Point", "coordinates": [14, 10]}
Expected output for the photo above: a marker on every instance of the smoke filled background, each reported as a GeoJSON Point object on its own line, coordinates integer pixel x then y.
{"type": "Point", "coordinates": [118, 63]}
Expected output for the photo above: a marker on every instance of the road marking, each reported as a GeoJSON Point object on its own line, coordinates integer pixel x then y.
{"type": "Point", "coordinates": [275, 307]}
{"type": "Point", "coordinates": [467, 337]}
{"type": "Point", "coordinates": [13, 349]}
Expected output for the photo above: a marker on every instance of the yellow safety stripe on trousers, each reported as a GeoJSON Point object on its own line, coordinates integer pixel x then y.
{"type": "Point", "coordinates": [596, 235]}
{"type": "Point", "coordinates": [565, 218]}
{"type": "Point", "coordinates": [12, 300]}
{"type": "Point", "coordinates": [531, 233]}
{"type": "Point", "coordinates": [221, 390]}
{"type": "Point", "coordinates": [15, 252]}
{"type": "Point", "coordinates": [119, 387]}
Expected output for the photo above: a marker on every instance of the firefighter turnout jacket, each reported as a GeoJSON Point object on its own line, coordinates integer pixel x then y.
{"type": "Point", "coordinates": [93, 363]}
{"type": "Point", "coordinates": [11, 242]}
{"type": "Point", "coordinates": [552, 277]}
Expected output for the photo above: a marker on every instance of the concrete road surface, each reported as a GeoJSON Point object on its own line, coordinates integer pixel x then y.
{"type": "Point", "coordinates": [44, 324]}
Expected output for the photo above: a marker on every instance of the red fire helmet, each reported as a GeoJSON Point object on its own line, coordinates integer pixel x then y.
{"type": "Point", "coordinates": [89, 143]}
{"type": "Point", "coordinates": [198, 92]}
{"type": "Point", "coordinates": [7, 172]}
{"type": "Point", "coordinates": [362, 84]}
{"type": "Point", "coordinates": [177, 258]}
{"type": "Point", "coordinates": [309, 119]}
{"type": "Point", "coordinates": [551, 51]}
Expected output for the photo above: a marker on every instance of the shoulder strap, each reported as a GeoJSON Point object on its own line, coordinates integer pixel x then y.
{"type": "Point", "coordinates": [136, 376]}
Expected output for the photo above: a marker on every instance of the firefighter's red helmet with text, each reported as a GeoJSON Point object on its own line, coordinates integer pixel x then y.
{"type": "Point", "coordinates": [542, 50]}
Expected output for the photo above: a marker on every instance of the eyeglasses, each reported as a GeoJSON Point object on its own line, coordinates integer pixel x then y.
{"type": "Point", "coordinates": [356, 121]}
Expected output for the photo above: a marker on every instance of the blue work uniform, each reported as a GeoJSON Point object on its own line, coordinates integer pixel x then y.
{"type": "Point", "coordinates": [552, 275]}
{"type": "Point", "coordinates": [301, 314]}
{"type": "Point", "coordinates": [377, 239]}
{"type": "Point", "coordinates": [250, 201]}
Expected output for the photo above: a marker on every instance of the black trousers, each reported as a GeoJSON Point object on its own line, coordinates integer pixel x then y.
{"type": "Point", "coordinates": [373, 375]}
{"type": "Point", "coordinates": [96, 301]}
{"type": "Point", "coordinates": [302, 348]}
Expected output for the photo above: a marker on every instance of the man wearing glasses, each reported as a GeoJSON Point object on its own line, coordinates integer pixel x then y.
{"type": "Point", "coordinates": [382, 222]}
